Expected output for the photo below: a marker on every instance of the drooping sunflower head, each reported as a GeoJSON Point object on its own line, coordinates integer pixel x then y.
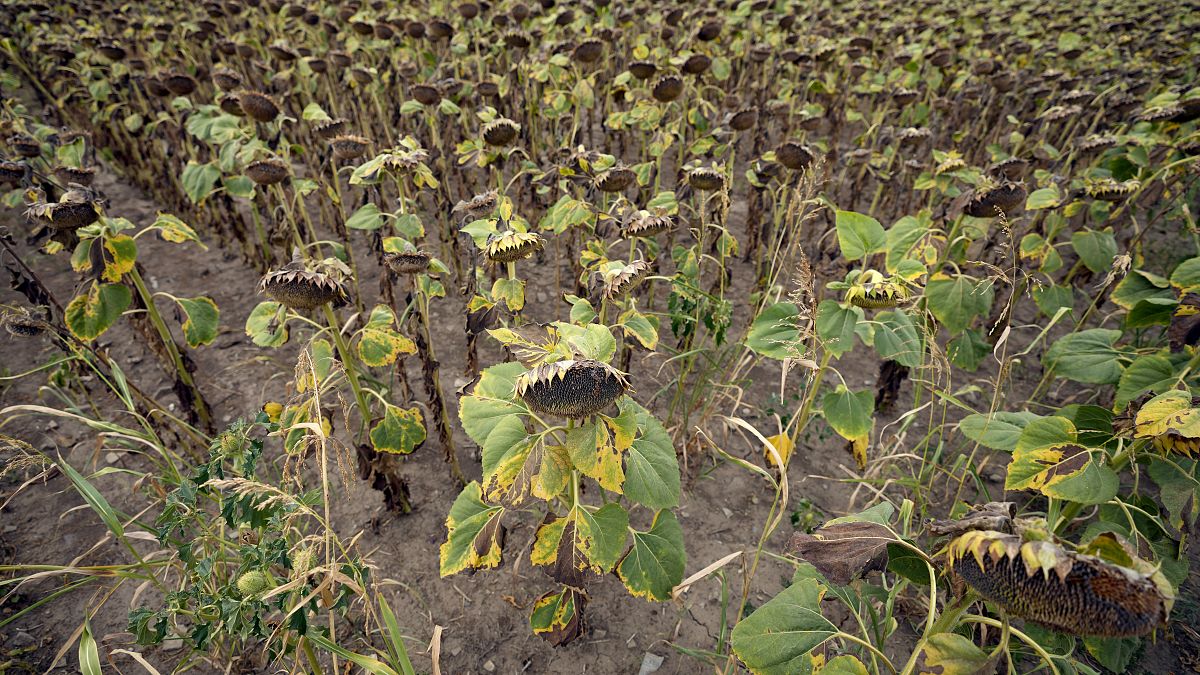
{"type": "Point", "coordinates": [74, 175]}
{"type": "Point", "coordinates": [267, 171]}
{"type": "Point", "coordinates": [349, 146]}
{"type": "Point", "coordinates": [412, 261]}
{"type": "Point", "coordinates": [615, 179]}
{"type": "Point", "coordinates": [1074, 592]}
{"type": "Point", "coordinates": [989, 201]}
{"type": "Point", "coordinates": [622, 279]}
{"type": "Point", "coordinates": [78, 207]}
{"type": "Point", "coordinates": [667, 88]}
{"type": "Point", "coordinates": [1109, 189]}
{"type": "Point", "coordinates": [297, 287]}
{"type": "Point", "coordinates": [705, 179]}
{"type": "Point", "coordinates": [511, 246]}
{"type": "Point", "coordinates": [258, 106]}
{"type": "Point", "coordinates": [646, 225]}
{"type": "Point", "coordinates": [571, 388]}
{"type": "Point", "coordinates": [21, 323]}
{"type": "Point", "coordinates": [500, 131]}
{"type": "Point", "coordinates": [793, 155]}
{"type": "Point", "coordinates": [871, 289]}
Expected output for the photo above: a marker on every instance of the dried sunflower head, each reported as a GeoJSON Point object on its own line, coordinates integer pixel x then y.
{"type": "Point", "coordinates": [500, 131]}
{"type": "Point", "coordinates": [645, 224]}
{"type": "Point", "coordinates": [511, 246]}
{"type": "Point", "coordinates": [230, 105]}
{"type": "Point", "coordinates": [615, 179]}
{"type": "Point", "coordinates": [331, 128]}
{"type": "Point", "coordinates": [180, 84]}
{"type": "Point", "coordinates": [793, 155]}
{"type": "Point", "coordinates": [743, 119]}
{"type": "Point", "coordinates": [871, 289]}
{"type": "Point", "coordinates": [267, 171]}
{"type": "Point", "coordinates": [226, 79]}
{"type": "Point", "coordinates": [667, 88]}
{"type": "Point", "coordinates": [705, 179]}
{"type": "Point", "coordinates": [21, 323]}
{"type": "Point", "coordinates": [425, 94]}
{"type": "Point", "coordinates": [12, 173]}
{"type": "Point", "coordinates": [1012, 168]}
{"type": "Point", "coordinates": [297, 287]}
{"type": "Point", "coordinates": [349, 146]}
{"type": "Point", "coordinates": [1095, 143]}
{"type": "Point", "coordinates": [478, 206]}
{"type": "Point", "coordinates": [258, 106]}
{"type": "Point", "coordinates": [75, 175]}
{"type": "Point", "coordinates": [78, 207]}
{"type": "Point", "coordinates": [412, 261]}
{"type": "Point", "coordinates": [624, 278]}
{"type": "Point", "coordinates": [572, 388]}
{"type": "Point", "coordinates": [588, 51]}
{"type": "Point", "coordinates": [643, 70]}
{"type": "Point", "coordinates": [1110, 190]}
{"type": "Point", "coordinates": [1041, 581]}
{"type": "Point", "coordinates": [25, 145]}
{"type": "Point", "coordinates": [1160, 113]}
{"type": "Point", "coordinates": [987, 201]}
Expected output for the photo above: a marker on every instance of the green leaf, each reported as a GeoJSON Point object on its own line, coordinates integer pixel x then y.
{"type": "Point", "coordinates": [1094, 484]}
{"type": "Point", "coordinates": [956, 300]}
{"type": "Point", "coordinates": [1115, 654]}
{"type": "Point", "coordinates": [592, 341]}
{"type": "Point", "coordinates": [89, 652]}
{"type": "Point", "coordinates": [505, 453]}
{"type": "Point", "coordinates": [1095, 249]}
{"type": "Point", "coordinates": [859, 235]}
{"type": "Point", "coordinates": [844, 665]}
{"type": "Point", "coordinates": [651, 467]}
{"type": "Point", "coordinates": [654, 565]}
{"type": "Point", "coordinates": [1186, 276]}
{"type": "Point", "coordinates": [1139, 285]}
{"type": "Point", "coordinates": [902, 236]}
{"type": "Point", "coordinates": [511, 291]}
{"type": "Point", "coordinates": [473, 534]}
{"type": "Point", "coordinates": [380, 344]}
{"type": "Point", "coordinates": [954, 655]}
{"type": "Point", "coordinates": [640, 327]}
{"type": "Point", "coordinates": [121, 256]}
{"type": "Point", "coordinates": [1178, 488]}
{"type": "Point", "coordinates": [774, 333]}
{"type": "Point", "coordinates": [566, 213]}
{"type": "Point", "coordinates": [491, 401]}
{"type": "Point", "coordinates": [265, 325]}
{"type": "Point", "coordinates": [1044, 198]}
{"type": "Point", "coordinates": [201, 320]}
{"type": "Point", "coordinates": [175, 230]}
{"type": "Point", "coordinates": [199, 180]}
{"type": "Point", "coordinates": [968, 349]}
{"type": "Point", "coordinates": [367, 217]}
{"type": "Point", "coordinates": [836, 324]}
{"type": "Point", "coordinates": [849, 412]}
{"type": "Point", "coordinates": [400, 431]}
{"type": "Point", "coordinates": [1087, 356]}
{"type": "Point", "coordinates": [897, 339]}
{"type": "Point", "coordinates": [592, 451]}
{"type": "Point", "coordinates": [777, 638]}
{"type": "Point", "coordinates": [998, 430]}
{"type": "Point", "coordinates": [602, 535]}
{"type": "Point", "coordinates": [90, 314]}
{"type": "Point", "coordinates": [1152, 372]}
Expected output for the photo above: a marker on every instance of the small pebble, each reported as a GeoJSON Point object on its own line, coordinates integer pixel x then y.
{"type": "Point", "coordinates": [489, 666]}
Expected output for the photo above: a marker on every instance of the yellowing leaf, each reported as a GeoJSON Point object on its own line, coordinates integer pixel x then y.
{"type": "Point", "coordinates": [783, 445]}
